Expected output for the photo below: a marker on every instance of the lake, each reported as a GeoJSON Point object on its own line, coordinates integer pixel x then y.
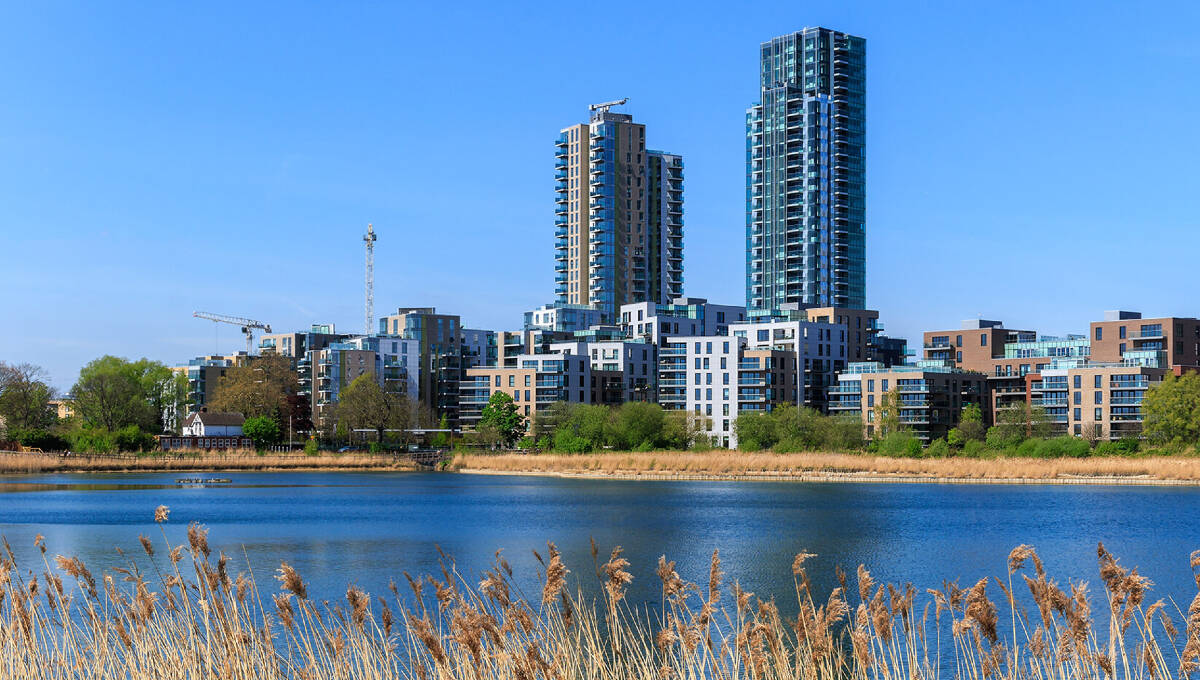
{"type": "Point", "coordinates": [369, 528]}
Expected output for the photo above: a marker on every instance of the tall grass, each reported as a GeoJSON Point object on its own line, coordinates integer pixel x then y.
{"type": "Point", "coordinates": [11, 463]}
{"type": "Point", "coordinates": [190, 618]}
{"type": "Point", "coordinates": [800, 464]}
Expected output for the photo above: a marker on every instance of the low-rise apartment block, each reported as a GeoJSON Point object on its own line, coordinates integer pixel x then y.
{"type": "Point", "coordinates": [820, 350]}
{"type": "Point", "coordinates": [537, 382]}
{"type": "Point", "coordinates": [932, 395]}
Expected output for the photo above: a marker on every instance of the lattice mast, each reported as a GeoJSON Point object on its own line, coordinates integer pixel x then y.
{"type": "Point", "coordinates": [369, 239]}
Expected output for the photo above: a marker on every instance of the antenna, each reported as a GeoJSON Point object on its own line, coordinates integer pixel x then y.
{"type": "Point", "coordinates": [370, 283]}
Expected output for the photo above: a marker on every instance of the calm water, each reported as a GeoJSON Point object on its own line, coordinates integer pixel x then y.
{"type": "Point", "coordinates": [368, 528]}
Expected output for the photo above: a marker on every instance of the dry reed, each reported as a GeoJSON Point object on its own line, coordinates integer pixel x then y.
{"type": "Point", "coordinates": [11, 463]}
{"type": "Point", "coordinates": [192, 619]}
{"type": "Point", "coordinates": [729, 463]}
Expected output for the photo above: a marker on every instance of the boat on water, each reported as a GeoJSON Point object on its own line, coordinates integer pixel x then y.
{"type": "Point", "coordinates": [192, 481]}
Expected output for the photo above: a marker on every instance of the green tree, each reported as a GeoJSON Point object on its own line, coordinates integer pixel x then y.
{"type": "Point", "coordinates": [683, 430]}
{"type": "Point", "coordinates": [755, 431]}
{"type": "Point", "coordinates": [887, 415]}
{"type": "Point", "coordinates": [1171, 410]}
{"type": "Point", "coordinates": [25, 397]}
{"type": "Point", "coordinates": [442, 439]}
{"type": "Point", "coordinates": [501, 416]}
{"type": "Point", "coordinates": [639, 424]}
{"type": "Point", "coordinates": [970, 427]}
{"type": "Point", "coordinates": [799, 428]}
{"type": "Point", "coordinates": [262, 430]}
{"type": "Point", "coordinates": [111, 394]}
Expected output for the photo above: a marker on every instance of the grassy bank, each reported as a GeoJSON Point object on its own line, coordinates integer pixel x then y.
{"type": "Point", "coordinates": [14, 463]}
{"type": "Point", "coordinates": [804, 465]}
{"type": "Point", "coordinates": [178, 612]}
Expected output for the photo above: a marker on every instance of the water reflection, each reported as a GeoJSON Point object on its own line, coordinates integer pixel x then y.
{"type": "Point", "coordinates": [371, 527]}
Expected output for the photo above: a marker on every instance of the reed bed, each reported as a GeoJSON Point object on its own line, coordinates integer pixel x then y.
{"type": "Point", "coordinates": [734, 464]}
{"type": "Point", "coordinates": [13, 463]}
{"type": "Point", "coordinates": [187, 616]}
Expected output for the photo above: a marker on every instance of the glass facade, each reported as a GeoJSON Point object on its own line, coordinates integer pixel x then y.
{"type": "Point", "coordinates": [806, 173]}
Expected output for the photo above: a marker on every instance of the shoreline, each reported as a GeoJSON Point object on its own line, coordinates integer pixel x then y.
{"type": "Point", "coordinates": [1181, 471]}
{"type": "Point", "coordinates": [839, 478]}
{"type": "Point", "coordinates": [47, 463]}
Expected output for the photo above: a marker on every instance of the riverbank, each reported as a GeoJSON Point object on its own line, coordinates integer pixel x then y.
{"type": "Point", "coordinates": [839, 467]}
{"type": "Point", "coordinates": [20, 463]}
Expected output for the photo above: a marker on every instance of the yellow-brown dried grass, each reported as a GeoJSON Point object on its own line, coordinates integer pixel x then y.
{"type": "Point", "coordinates": [183, 461]}
{"type": "Point", "coordinates": [188, 616]}
{"type": "Point", "coordinates": [740, 463]}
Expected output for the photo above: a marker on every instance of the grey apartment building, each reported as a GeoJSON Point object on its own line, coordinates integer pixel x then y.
{"type": "Point", "coordinates": [805, 174]}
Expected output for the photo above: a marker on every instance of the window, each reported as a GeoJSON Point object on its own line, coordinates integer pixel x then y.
{"type": "Point", "coordinates": [1099, 398]}
{"type": "Point", "coordinates": [1121, 332]}
{"type": "Point", "coordinates": [527, 381]}
{"type": "Point", "coordinates": [526, 395]}
{"type": "Point", "coordinates": [1099, 415]}
{"type": "Point", "coordinates": [958, 340]}
{"type": "Point", "coordinates": [870, 400]}
{"type": "Point", "coordinates": [1078, 415]}
{"type": "Point", "coordinates": [764, 336]}
{"type": "Point", "coordinates": [883, 385]}
{"type": "Point", "coordinates": [1078, 381]}
{"type": "Point", "coordinates": [497, 381]}
{"type": "Point", "coordinates": [724, 362]}
{"type": "Point", "coordinates": [512, 381]}
{"type": "Point", "coordinates": [725, 348]}
{"type": "Point", "coordinates": [1099, 333]}
{"type": "Point", "coordinates": [983, 339]}
{"type": "Point", "coordinates": [1096, 382]}
{"type": "Point", "coordinates": [1078, 400]}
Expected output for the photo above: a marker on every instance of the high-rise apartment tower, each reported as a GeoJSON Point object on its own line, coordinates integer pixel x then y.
{"type": "Point", "coordinates": [618, 227]}
{"type": "Point", "coordinates": [805, 174]}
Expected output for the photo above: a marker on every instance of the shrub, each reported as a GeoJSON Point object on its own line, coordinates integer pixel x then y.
{"type": "Point", "coordinates": [900, 443]}
{"type": "Point", "coordinates": [311, 447]}
{"type": "Point", "coordinates": [975, 449]}
{"type": "Point", "coordinates": [131, 438]}
{"type": "Point", "coordinates": [755, 431]}
{"type": "Point", "coordinates": [90, 440]}
{"type": "Point", "coordinates": [939, 448]}
{"type": "Point", "coordinates": [38, 438]}
{"type": "Point", "coordinates": [1063, 447]}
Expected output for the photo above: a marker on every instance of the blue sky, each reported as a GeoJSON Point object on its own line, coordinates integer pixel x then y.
{"type": "Point", "coordinates": [1031, 162]}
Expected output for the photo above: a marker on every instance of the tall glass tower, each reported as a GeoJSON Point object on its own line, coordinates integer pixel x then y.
{"type": "Point", "coordinates": [618, 227]}
{"type": "Point", "coordinates": [805, 174]}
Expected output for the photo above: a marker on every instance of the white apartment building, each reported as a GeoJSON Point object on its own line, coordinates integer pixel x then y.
{"type": "Point", "coordinates": [652, 322]}
{"type": "Point", "coordinates": [820, 350]}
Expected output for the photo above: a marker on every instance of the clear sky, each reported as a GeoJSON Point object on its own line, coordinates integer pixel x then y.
{"type": "Point", "coordinates": [1027, 161]}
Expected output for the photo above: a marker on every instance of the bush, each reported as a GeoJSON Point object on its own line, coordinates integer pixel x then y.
{"type": "Point", "coordinates": [311, 447]}
{"type": "Point", "coordinates": [37, 438]}
{"type": "Point", "coordinates": [1062, 447]}
{"type": "Point", "coordinates": [901, 443]}
{"type": "Point", "coordinates": [940, 448]}
{"type": "Point", "coordinates": [131, 438]}
{"type": "Point", "coordinates": [975, 449]}
{"type": "Point", "coordinates": [566, 441]}
{"type": "Point", "coordinates": [89, 440]}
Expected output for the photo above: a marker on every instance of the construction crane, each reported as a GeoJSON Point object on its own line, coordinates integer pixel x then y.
{"type": "Point", "coordinates": [248, 325]}
{"type": "Point", "coordinates": [370, 301]}
{"type": "Point", "coordinates": [603, 108]}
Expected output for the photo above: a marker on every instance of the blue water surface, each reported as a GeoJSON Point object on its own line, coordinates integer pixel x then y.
{"type": "Point", "coordinates": [368, 528]}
